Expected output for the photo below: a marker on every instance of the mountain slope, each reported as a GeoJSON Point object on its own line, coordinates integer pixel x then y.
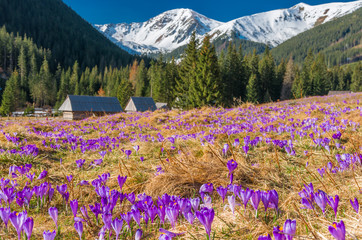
{"type": "Point", "coordinates": [164, 32]}
{"type": "Point", "coordinates": [275, 27]}
{"type": "Point", "coordinates": [172, 29]}
{"type": "Point", "coordinates": [53, 25]}
{"type": "Point", "coordinates": [340, 40]}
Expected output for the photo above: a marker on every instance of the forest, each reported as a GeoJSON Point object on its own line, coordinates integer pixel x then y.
{"type": "Point", "coordinates": [200, 78]}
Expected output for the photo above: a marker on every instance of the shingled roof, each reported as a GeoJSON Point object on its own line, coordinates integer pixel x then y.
{"type": "Point", "coordinates": [140, 104]}
{"type": "Point", "coordinates": [74, 103]}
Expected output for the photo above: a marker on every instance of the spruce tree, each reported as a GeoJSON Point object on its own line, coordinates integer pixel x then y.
{"type": "Point", "coordinates": [318, 76]}
{"type": "Point", "coordinates": [206, 90]}
{"type": "Point", "coordinates": [187, 73]}
{"type": "Point", "coordinates": [8, 103]}
{"type": "Point", "coordinates": [124, 92]}
{"type": "Point", "coordinates": [140, 79]}
{"type": "Point", "coordinates": [356, 83]}
{"type": "Point", "coordinates": [74, 79]}
{"type": "Point", "coordinates": [252, 89]}
{"type": "Point", "coordinates": [288, 81]}
{"type": "Point", "coordinates": [267, 75]}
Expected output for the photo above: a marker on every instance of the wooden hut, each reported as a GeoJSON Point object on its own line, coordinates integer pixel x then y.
{"type": "Point", "coordinates": [331, 93]}
{"type": "Point", "coordinates": [161, 105]}
{"type": "Point", "coordinates": [79, 107]}
{"type": "Point", "coordinates": [140, 104]}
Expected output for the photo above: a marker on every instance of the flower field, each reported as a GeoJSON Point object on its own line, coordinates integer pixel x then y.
{"type": "Point", "coordinates": [285, 170]}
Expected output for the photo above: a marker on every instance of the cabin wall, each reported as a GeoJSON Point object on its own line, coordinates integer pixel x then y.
{"type": "Point", "coordinates": [82, 115]}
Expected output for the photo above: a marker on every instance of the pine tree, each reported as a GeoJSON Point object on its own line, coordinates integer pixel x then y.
{"type": "Point", "coordinates": [22, 65]}
{"type": "Point", "coordinates": [187, 73]}
{"type": "Point", "coordinates": [74, 80]}
{"type": "Point", "coordinates": [288, 80]}
{"type": "Point", "coordinates": [8, 103]}
{"type": "Point", "coordinates": [140, 80]}
{"type": "Point", "coordinates": [279, 78]}
{"type": "Point", "coordinates": [252, 89]}
{"type": "Point", "coordinates": [267, 76]}
{"type": "Point", "coordinates": [206, 90]}
{"type": "Point", "coordinates": [171, 76]}
{"type": "Point", "coordinates": [233, 76]}
{"type": "Point", "coordinates": [124, 92]}
{"type": "Point", "coordinates": [318, 76]}
{"type": "Point", "coordinates": [356, 83]}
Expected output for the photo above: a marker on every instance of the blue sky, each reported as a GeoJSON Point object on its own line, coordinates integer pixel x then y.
{"type": "Point", "coordinates": [119, 11]}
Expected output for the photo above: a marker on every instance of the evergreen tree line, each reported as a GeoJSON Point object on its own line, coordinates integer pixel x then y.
{"type": "Point", "coordinates": [201, 78]}
{"type": "Point", "coordinates": [55, 26]}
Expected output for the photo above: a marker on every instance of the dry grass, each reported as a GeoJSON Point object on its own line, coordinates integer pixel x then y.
{"type": "Point", "coordinates": [192, 164]}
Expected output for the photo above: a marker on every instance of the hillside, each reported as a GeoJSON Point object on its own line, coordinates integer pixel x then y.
{"type": "Point", "coordinates": [53, 25]}
{"type": "Point", "coordinates": [340, 41]}
{"type": "Point", "coordinates": [251, 171]}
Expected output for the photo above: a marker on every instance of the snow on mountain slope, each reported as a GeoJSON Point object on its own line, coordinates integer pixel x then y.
{"type": "Point", "coordinates": [164, 32]}
{"type": "Point", "coordinates": [173, 28]}
{"type": "Point", "coordinates": [275, 27]}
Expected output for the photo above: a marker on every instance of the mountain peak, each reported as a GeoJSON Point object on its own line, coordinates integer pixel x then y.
{"type": "Point", "coordinates": [173, 28]}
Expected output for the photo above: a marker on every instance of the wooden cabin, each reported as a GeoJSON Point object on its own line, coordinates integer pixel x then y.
{"type": "Point", "coordinates": [140, 104]}
{"type": "Point", "coordinates": [331, 93]}
{"type": "Point", "coordinates": [79, 107]}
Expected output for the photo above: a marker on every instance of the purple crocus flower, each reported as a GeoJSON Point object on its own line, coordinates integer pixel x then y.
{"type": "Point", "coordinates": [136, 214]}
{"type": "Point", "coordinates": [278, 233]}
{"type": "Point", "coordinates": [265, 237]}
{"type": "Point", "coordinates": [246, 149]}
{"type": "Point", "coordinates": [18, 220]}
{"type": "Point", "coordinates": [290, 228]}
{"type": "Point", "coordinates": [53, 212]}
{"type": "Point", "coordinates": [28, 227]}
{"type": "Point", "coordinates": [136, 148]}
{"type": "Point", "coordinates": [83, 183]}
{"type": "Point", "coordinates": [102, 153]}
{"type": "Point", "coordinates": [189, 216]}
{"type": "Point", "coordinates": [232, 165]}
{"type": "Point", "coordinates": [127, 217]}
{"type": "Point", "coordinates": [5, 214]}
{"type": "Point", "coordinates": [265, 198]}
{"type": "Point", "coordinates": [245, 195]}
{"type": "Point", "coordinates": [107, 220]}
{"type": "Point", "coordinates": [70, 178]}
{"type": "Point", "coordinates": [80, 163]}
{"type": "Point", "coordinates": [172, 213]}
{"type": "Point", "coordinates": [128, 152]}
{"type": "Point", "coordinates": [195, 202]}
{"type": "Point", "coordinates": [117, 226]}
{"type": "Point", "coordinates": [206, 188]}
{"type": "Point", "coordinates": [138, 234]}
{"type": "Point", "coordinates": [78, 225]}
{"type": "Point", "coordinates": [222, 192]}
{"type": "Point", "coordinates": [225, 149]}
{"type": "Point", "coordinates": [355, 204]}
{"type": "Point", "coordinates": [255, 199]}
{"type": "Point", "coordinates": [30, 176]}
{"type": "Point", "coordinates": [320, 198]}
{"type": "Point", "coordinates": [142, 159]}
{"type": "Point", "coordinates": [274, 199]}
{"type": "Point", "coordinates": [231, 200]}
{"type": "Point", "coordinates": [338, 230]}
{"type": "Point", "coordinates": [206, 216]}
{"type": "Point", "coordinates": [170, 234]}
{"type": "Point", "coordinates": [74, 206]}
{"type": "Point", "coordinates": [121, 181]}
{"type": "Point", "coordinates": [333, 202]}
{"type": "Point", "coordinates": [42, 175]}
{"type": "Point", "coordinates": [48, 235]}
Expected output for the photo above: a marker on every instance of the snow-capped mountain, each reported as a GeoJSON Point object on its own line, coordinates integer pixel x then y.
{"type": "Point", "coordinates": [164, 32]}
{"type": "Point", "coordinates": [173, 28]}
